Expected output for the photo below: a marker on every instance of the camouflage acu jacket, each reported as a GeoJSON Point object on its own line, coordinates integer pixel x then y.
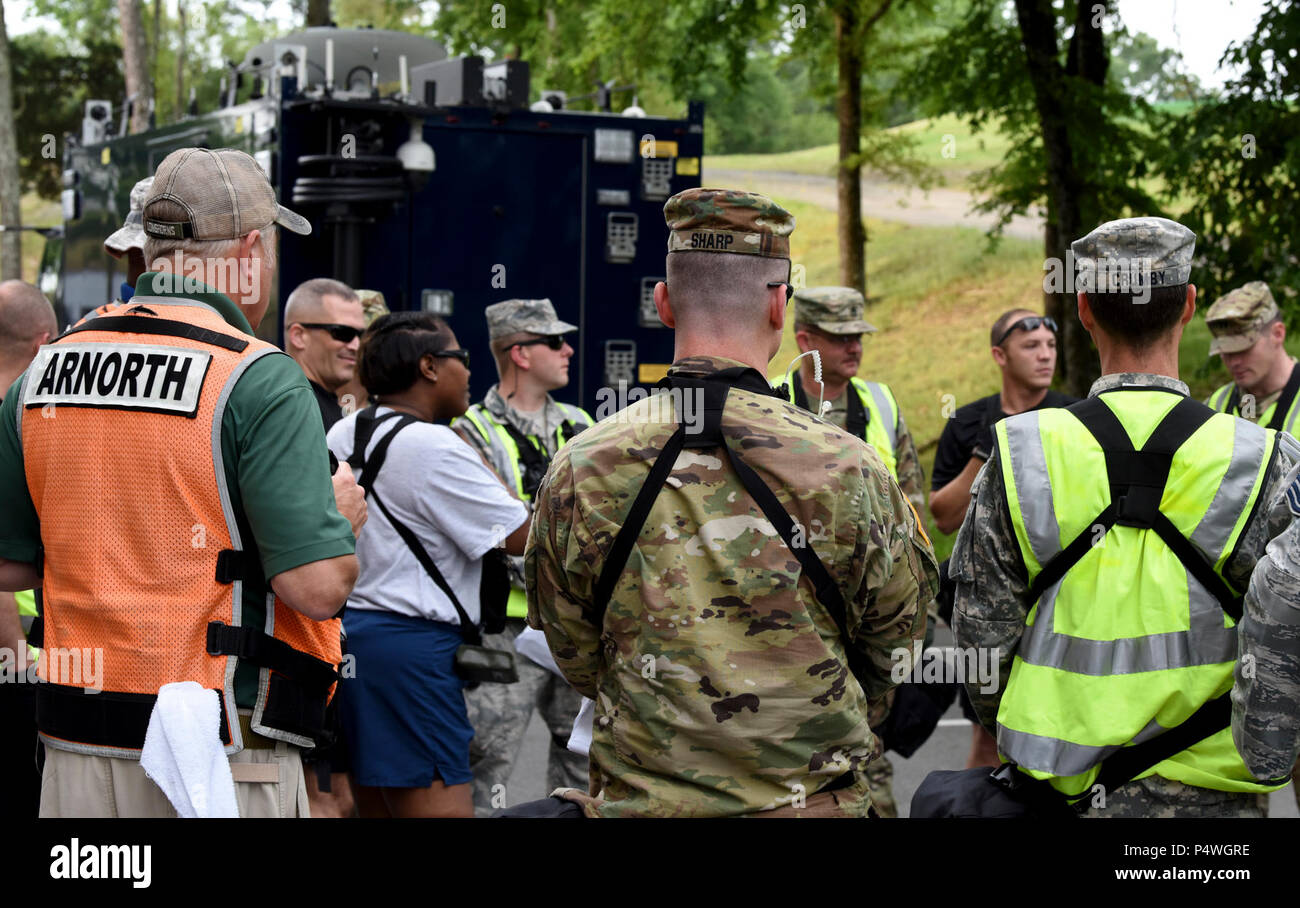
{"type": "Point", "coordinates": [720, 683]}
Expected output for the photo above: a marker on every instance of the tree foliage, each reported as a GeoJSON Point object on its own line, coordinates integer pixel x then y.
{"type": "Point", "coordinates": [1236, 158]}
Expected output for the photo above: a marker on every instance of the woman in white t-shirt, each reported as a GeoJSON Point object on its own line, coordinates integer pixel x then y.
{"type": "Point", "coordinates": [403, 708]}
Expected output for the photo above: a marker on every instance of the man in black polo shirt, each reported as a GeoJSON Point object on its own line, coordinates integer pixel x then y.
{"type": "Point", "coordinates": [323, 321]}
{"type": "Point", "coordinates": [1024, 347]}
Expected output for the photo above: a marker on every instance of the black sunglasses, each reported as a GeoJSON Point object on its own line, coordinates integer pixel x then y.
{"type": "Point", "coordinates": [789, 288]}
{"type": "Point", "coordinates": [462, 355]}
{"type": "Point", "coordinates": [554, 341]}
{"type": "Point", "coordinates": [344, 334]}
{"type": "Point", "coordinates": [1031, 323]}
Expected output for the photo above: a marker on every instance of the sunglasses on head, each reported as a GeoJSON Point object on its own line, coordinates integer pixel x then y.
{"type": "Point", "coordinates": [344, 334]}
{"type": "Point", "coordinates": [554, 341]}
{"type": "Point", "coordinates": [1032, 323]}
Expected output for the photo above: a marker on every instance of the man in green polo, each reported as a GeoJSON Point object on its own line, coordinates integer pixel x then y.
{"type": "Point", "coordinates": [292, 531]}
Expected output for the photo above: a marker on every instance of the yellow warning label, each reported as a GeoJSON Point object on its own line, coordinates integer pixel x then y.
{"type": "Point", "coordinates": [649, 373]}
{"type": "Point", "coordinates": [688, 167]}
{"type": "Point", "coordinates": [104, 155]}
{"type": "Point", "coordinates": [658, 148]}
{"type": "Point", "coordinates": [239, 125]}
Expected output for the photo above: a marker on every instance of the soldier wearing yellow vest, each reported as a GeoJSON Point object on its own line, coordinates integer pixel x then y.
{"type": "Point", "coordinates": [1106, 550]}
{"type": "Point", "coordinates": [168, 472]}
{"type": "Point", "coordinates": [1248, 337]}
{"type": "Point", "coordinates": [829, 320]}
{"type": "Point", "coordinates": [517, 428]}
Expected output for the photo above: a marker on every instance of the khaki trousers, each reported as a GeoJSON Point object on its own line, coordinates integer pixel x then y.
{"type": "Point", "coordinates": [269, 783]}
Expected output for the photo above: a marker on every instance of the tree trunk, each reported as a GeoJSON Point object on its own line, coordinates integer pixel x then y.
{"type": "Point", "coordinates": [1038, 31]}
{"type": "Point", "coordinates": [180, 59]}
{"type": "Point", "coordinates": [318, 12]}
{"type": "Point", "coordinates": [848, 115]}
{"type": "Point", "coordinates": [154, 43]}
{"type": "Point", "coordinates": [135, 62]}
{"type": "Point", "coordinates": [11, 250]}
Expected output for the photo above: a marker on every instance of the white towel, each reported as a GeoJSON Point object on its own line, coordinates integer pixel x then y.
{"type": "Point", "coordinates": [531, 644]}
{"type": "Point", "coordinates": [183, 753]}
{"type": "Point", "coordinates": [580, 737]}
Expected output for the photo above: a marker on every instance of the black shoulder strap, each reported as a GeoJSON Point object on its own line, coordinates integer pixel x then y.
{"type": "Point", "coordinates": [139, 324]}
{"type": "Point", "coordinates": [715, 393]}
{"type": "Point", "coordinates": [371, 466]}
{"type": "Point", "coordinates": [1286, 400]}
{"type": "Point", "coordinates": [1137, 481]}
{"type": "Point", "coordinates": [858, 417]}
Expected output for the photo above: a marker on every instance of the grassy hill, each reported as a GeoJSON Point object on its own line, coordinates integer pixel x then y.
{"type": "Point", "coordinates": [956, 160]}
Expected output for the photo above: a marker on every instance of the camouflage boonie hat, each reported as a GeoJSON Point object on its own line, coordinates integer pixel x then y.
{"type": "Point", "coordinates": [835, 310]}
{"type": "Point", "coordinates": [372, 305]}
{"type": "Point", "coordinates": [727, 220]}
{"type": "Point", "coordinates": [1133, 255]}
{"type": "Point", "coordinates": [515, 316]}
{"type": "Point", "coordinates": [131, 234]}
{"type": "Point", "coordinates": [1237, 318]}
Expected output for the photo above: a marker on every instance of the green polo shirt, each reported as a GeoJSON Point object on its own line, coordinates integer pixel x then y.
{"type": "Point", "coordinates": [276, 464]}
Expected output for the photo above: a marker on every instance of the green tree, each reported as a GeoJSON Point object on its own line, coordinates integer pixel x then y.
{"type": "Point", "coordinates": [1080, 147]}
{"type": "Point", "coordinates": [1237, 157]}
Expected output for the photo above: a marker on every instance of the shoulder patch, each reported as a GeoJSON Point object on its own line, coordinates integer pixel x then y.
{"type": "Point", "coordinates": [1293, 496]}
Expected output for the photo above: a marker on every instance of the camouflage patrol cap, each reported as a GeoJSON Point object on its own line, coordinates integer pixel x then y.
{"type": "Point", "coordinates": [131, 234]}
{"type": "Point", "coordinates": [1134, 254]}
{"type": "Point", "coordinates": [372, 305]}
{"type": "Point", "coordinates": [835, 310]}
{"type": "Point", "coordinates": [727, 220]}
{"type": "Point", "coordinates": [515, 316]}
{"type": "Point", "coordinates": [1237, 318]}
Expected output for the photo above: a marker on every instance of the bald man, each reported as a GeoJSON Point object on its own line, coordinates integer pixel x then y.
{"type": "Point", "coordinates": [323, 321]}
{"type": "Point", "coordinates": [26, 321]}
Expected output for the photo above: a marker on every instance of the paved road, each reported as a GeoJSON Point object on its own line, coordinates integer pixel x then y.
{"type": "Point", "coordinates": [946, 749]}
{"type": "Point", "coordinates": [880, 199]}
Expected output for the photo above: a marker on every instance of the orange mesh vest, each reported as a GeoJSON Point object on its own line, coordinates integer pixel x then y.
{"type": "Point", "coordinates": [120, 421]}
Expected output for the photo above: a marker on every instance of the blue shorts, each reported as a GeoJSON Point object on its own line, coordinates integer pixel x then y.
{"type": "Point", "coordinates": [405, 708]}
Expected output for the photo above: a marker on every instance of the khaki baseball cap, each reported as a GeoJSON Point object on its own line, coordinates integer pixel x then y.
{"type": "Point", "coordinates": [225, 195]}
{"type": "Point", "coordinates": [1238, 318]}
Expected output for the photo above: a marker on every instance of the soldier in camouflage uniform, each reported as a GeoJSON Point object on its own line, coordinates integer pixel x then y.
{"type": "Point", "coordinates": [1249, 335]}
{"type": "Point", "coordinates": [517, 429]}
{"type": "Point", "coordinates": [988, 562]}
{"type": "Point", "coordinates": [1266, 695]}
{"type": "Point", "coordinates": [720, 681]}
{"type": "Point", "coordinates": [830, 321]}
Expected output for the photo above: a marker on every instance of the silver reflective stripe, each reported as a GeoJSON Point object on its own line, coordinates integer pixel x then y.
{"type": "Point", "coordinates": [1289, 425]}
{"type": "Point", "coordinates": [232, 526]}
{"type": "Point", "coordinates": [887, 411]}
{"type": "Point", "coordinates": [1206, 642]}
{"type": "Point", "coordinates": [1219, 399]}
{"type": "Point", "coordinates": [1215, 528]}
{"type": "Point", "coordinates": [1060, 758]}
{"type": "Point", "coordinates": [1033, 486]}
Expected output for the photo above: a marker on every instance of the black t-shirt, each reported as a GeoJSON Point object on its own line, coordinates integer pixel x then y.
{"type": "Point", "coordinates": [972, 426]}
{"type": "Point", "coordinates": [330, 411]}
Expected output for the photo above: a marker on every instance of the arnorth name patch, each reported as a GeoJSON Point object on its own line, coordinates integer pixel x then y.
{"type": "Point", "coordinates": [146, 377]}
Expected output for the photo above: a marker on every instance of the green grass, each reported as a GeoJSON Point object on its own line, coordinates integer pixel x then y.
{"type": "Point", "coordinates": [956, 160]}
{"type": "Point", "coordinates": [37, 212]}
